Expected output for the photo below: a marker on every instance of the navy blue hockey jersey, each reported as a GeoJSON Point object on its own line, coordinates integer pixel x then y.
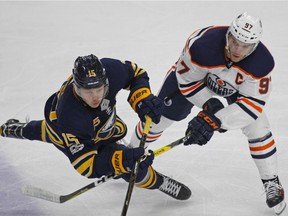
{"type": "Point", "coordinates": [79, 130]}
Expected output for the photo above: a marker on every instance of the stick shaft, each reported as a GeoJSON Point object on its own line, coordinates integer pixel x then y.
{"type": "Point", "coordinates": [49, 196]}
{"type": "Point", "coordinates": [136, 169]}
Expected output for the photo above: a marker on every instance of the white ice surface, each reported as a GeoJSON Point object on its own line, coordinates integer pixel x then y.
{"type": "Point", "coordinates": [39, 42]}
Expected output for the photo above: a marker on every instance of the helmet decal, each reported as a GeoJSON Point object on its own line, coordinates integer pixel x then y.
{"type": "Point", "coordinates": [246, 28]}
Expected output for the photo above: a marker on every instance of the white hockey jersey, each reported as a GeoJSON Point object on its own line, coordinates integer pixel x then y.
{"type": "Point", "coordinates": [204, 71]}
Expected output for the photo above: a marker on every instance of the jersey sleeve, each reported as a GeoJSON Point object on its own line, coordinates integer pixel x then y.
{"type": "Point", "coordinates": [139, 85]}
{"type": "Point", "coordinates": [129, 76]}
{"type": "Point", "coordinates": [249, 104]}
{"type": "Point", "coordinates": [190, 75]}
{"type": "Point", "coordinates": [139, 76]}
{"type": "Point", "coordinates": [79, 146]}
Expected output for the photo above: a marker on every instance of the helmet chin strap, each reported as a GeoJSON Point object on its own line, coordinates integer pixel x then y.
{"type": "Point", "coordinates": [77, 90]}
{"type": "Point", "coordinates": [229, 63]}
{"type": "Point", "coordinates": [227, 51]}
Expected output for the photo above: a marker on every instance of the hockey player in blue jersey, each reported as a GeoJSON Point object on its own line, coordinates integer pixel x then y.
{"type": "Point", "coordinates": [232, 63]}
{"type": "Point", "coordinates": [81, 121]}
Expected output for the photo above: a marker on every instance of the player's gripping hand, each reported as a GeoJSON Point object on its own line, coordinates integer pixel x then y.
{"type": "Point", "coordinates": [201, 128]}
{"type": "Point", "coordinates": [145, 103]}
{"type": "Point", "coordinates": [151, 106]}
{"type": "Point", "coordinates": [124, 161]}
{"type": "Point", "coordinates": [211, 106]}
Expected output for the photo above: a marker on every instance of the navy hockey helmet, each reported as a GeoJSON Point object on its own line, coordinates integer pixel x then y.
{"type": "Point", "coordinates": [88, 72]}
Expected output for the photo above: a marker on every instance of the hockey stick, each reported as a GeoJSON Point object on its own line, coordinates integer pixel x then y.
{"type": "Point", "coordinates": [134, 173]}
{"type": "Point", "coordinates": [52, 197]}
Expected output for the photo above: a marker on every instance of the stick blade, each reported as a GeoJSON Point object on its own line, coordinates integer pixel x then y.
{"type": "Point", "coordinates": [32, 191]}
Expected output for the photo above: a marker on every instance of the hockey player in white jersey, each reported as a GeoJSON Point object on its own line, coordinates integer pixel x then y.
{"type": "Point", "coordinates": [229, 62]}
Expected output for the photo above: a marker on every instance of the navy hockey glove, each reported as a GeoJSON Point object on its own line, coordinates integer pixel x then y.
{"type": "Point", "coordinates": [144, 103]}
{"type": "Point", "coordinates": [201, 128]}
{"type": "Point", "coordinates": [151, 106]}
{"type": "Point", "coordinates": [213, 105]}
{"type": "Point", "coordinates": [124, 161]}
{"type": "Point", "coordinates": [195, 132]}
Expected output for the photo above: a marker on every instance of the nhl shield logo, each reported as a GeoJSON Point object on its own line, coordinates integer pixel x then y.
{"type": "Point", "coordinates": [104, 104]}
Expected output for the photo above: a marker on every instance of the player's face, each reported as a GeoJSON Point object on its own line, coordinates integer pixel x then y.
{"type": "Point", "coordinates": [238, 50]}
{"type": "Point", "coordinates": [93, 97]}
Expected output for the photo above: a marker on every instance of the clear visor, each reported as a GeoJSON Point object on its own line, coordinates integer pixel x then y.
{"type": "Point", "coordinates": [232, 42]}
{"type": "Point", "coordinates": [101, 91]}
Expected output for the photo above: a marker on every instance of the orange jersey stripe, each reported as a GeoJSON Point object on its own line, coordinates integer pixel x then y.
{"type": "Point", "coordinates": [139, 129]}
{"type": "Point", "coordinates": [191, 88]}
{"type": "Point", "coordinates": [149, 136]}
{"type": "Point", "coordinates": [262, 148]}
{"type": "Point", "coordinates": [245, 100]}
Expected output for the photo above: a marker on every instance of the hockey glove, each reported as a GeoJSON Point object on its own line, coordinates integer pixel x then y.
{"type": "Point", "coordinates": [124, 161]}
{"type": "Point", "coordinates": [151, 106]}
{"type": "Point", "coordinates": [201, 128]}
{"type": "Point", "coordinates": [213, 105]}
{"type": "Point", "coordinates": [144, 103]}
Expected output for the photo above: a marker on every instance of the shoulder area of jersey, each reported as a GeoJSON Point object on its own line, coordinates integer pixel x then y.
{"type": "Point", "coordinates": [260, 63]}
{"type": "Point", "coordinates": [209, 34]}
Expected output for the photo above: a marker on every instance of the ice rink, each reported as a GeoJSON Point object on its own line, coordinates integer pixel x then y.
{"type": "Point", "coordinates": [39, 42]}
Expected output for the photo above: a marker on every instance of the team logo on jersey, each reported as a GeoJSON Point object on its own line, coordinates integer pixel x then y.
{"type": "Point", "coordinates": [107, 129]}
{"type": "Point", "coordinates": [219, 86]}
